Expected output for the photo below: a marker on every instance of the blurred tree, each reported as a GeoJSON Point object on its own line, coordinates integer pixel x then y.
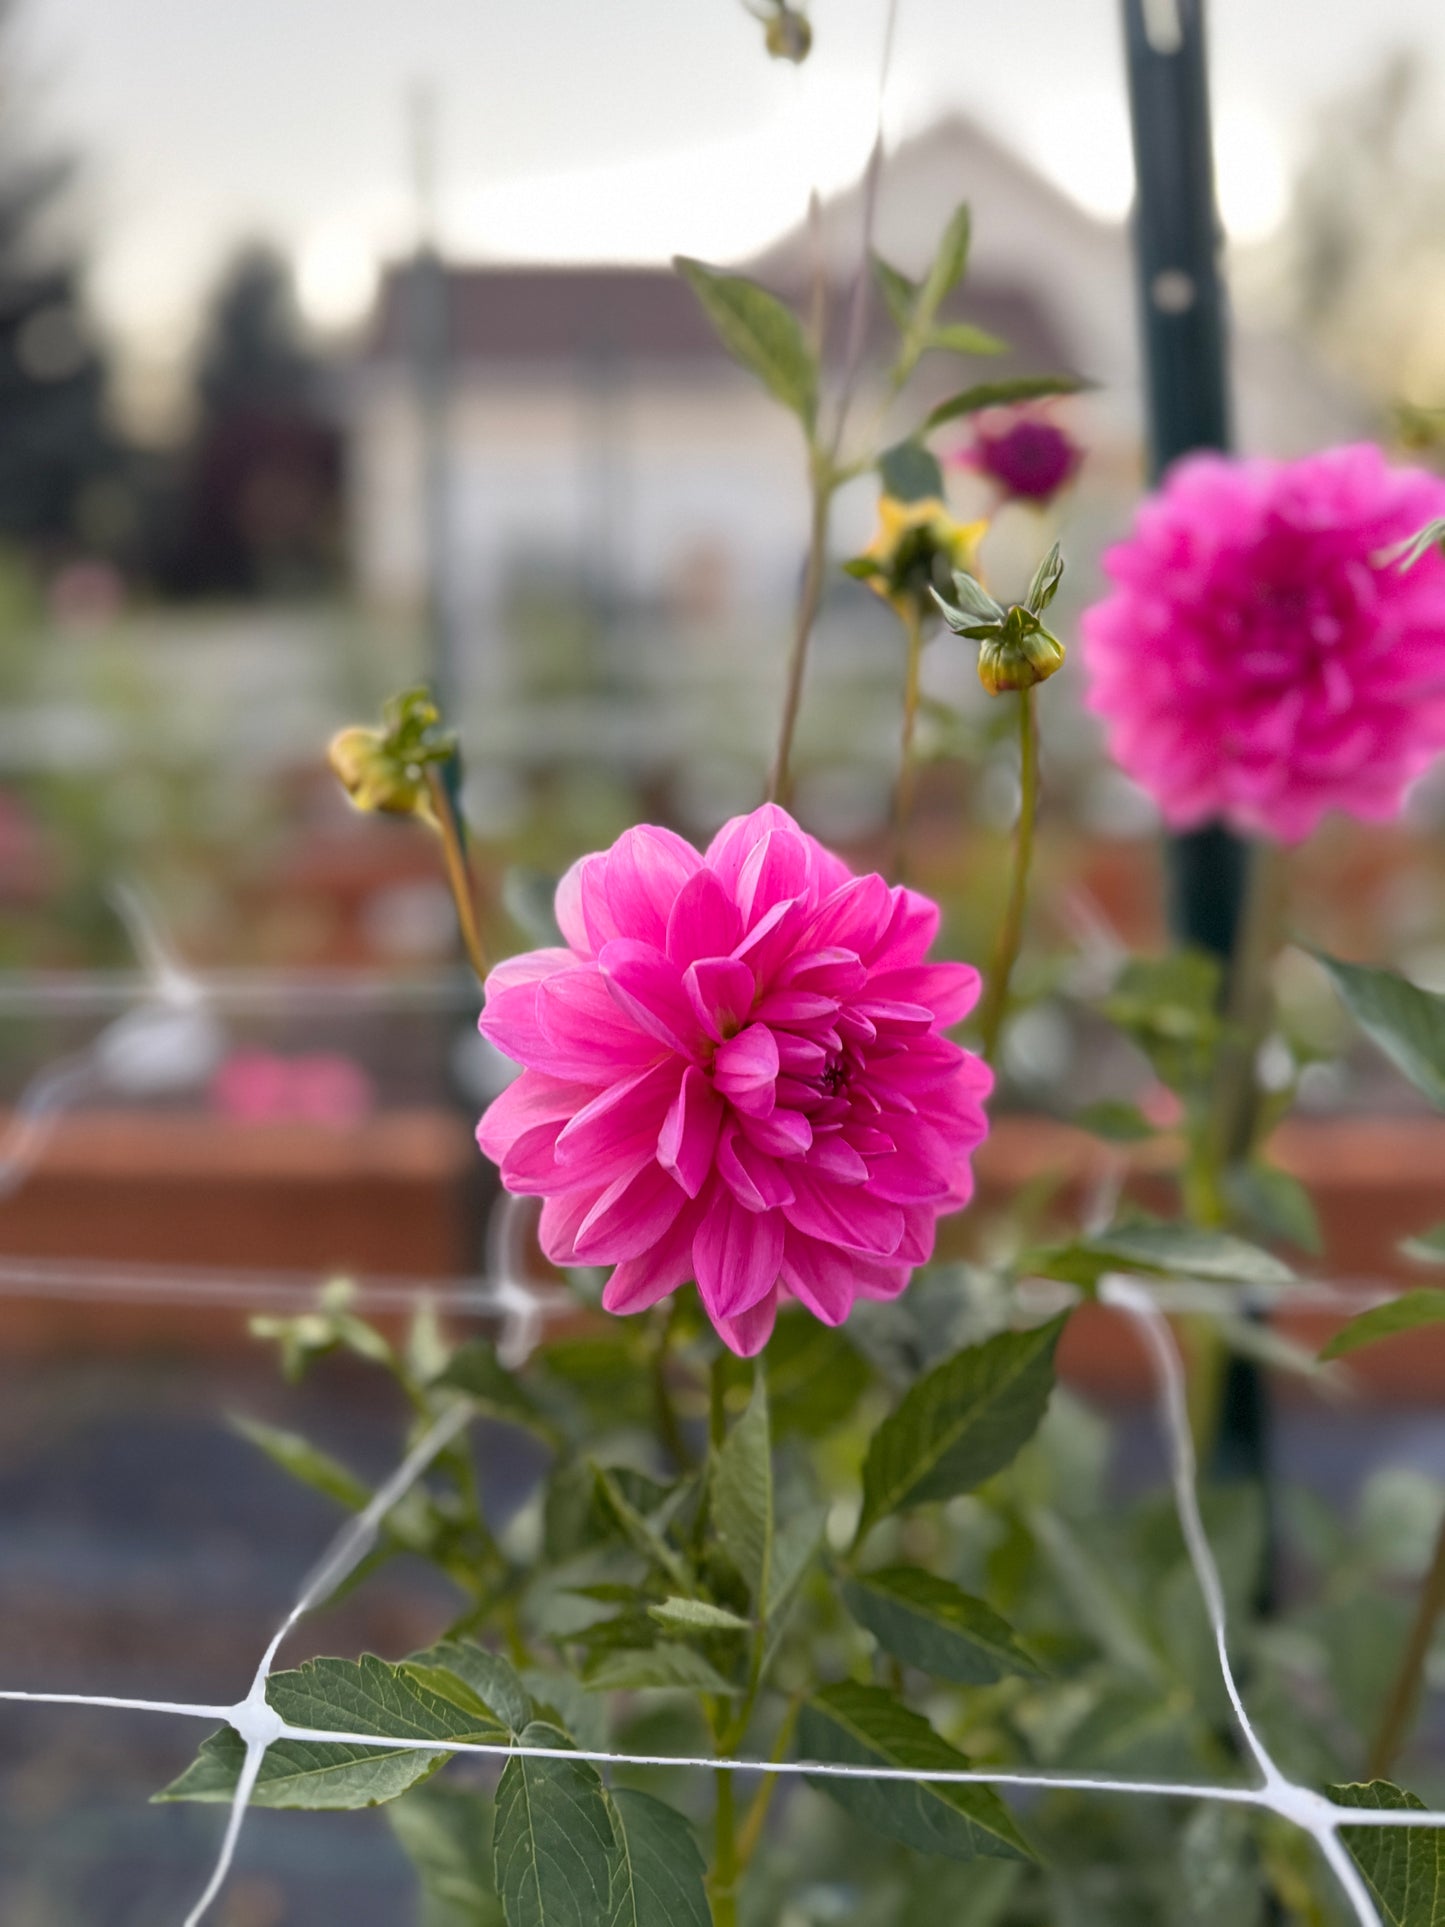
{"type": "Point", "coordinates": [60, 464]}
{"type": "Point", "coordinates": [256, 504]}
{"type": "Point", "coordinates": [1366, 242]}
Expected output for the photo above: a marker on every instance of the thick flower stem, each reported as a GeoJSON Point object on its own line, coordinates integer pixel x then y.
{"type": "Point", "coordinates": [724, 1880]}
{"type": "Point", "coordinates": [1010, 935]}
{"type": "Point", "coordinates": [1405, 1693]}
{"type": "Point", "coordinates": [822, 483]}
{"type": "Point", "coordinates": [459, 874]}
{"type": "Point", "coordinates": [907, 767]}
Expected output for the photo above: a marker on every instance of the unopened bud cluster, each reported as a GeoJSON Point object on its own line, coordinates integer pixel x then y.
{"type": "Point", "coordinates": [1016, 650]}
{"type": "Point", "coordinates": [387, 769]}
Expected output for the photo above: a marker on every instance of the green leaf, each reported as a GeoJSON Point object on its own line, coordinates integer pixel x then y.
{"type": "Point", "coordinates": [657, 1876]}
{"type": "Point", "coordinates": [1406, 1022]}
{"type": "Point", "coordinates": [855, 1725]}
{"type": "Point", "coordinates": [816, 1376]}
{"type": "Point", "coordinates": [1405, 1866]}
{"type": "Point", "coordinates": [1169, 1250]}
{"type": "Point", "coordinates": [664, 1667]}
{"type": "Point", "coordinates": [962, 1423]}
{"type": "Point", "coordinates": [475, 1369]}
{"type": "Point", "coordinates": [491, 1680]}
{"type": "Point", "coordinates": [446, 1833]}
{"type": "Point", "coordinates": [644, 1535]}
{"type": "Point", "coordinates": [742, 1496]}
{"type": "Point", "coordinates": [948, 266]}
{"type": "Point", "coordinates": [1114, 1119]}
{"type": "Point", "coordinates": [365, 1696]}
{"type": "Point", "coordinates": [1170, 1006]}
{"type": "Point", "coordinates": [962, 338]}
{"type": "Point", "coordinates": [306, 1463]}
{"type": "Point", "coordinates": [910, 472]}
{"type": "Point", "coordinates": [698, 1616]}
{"type": "Point", "coordinates": [1274, 1203]}
{"type": "Point", "coordinates": [1408, 1312]}
{"type": "Point", "coordinates": [760, 332]}
{"type": "Point", "coordinates": [1427, 1247]}
{"type": "Point", "coordinates": [928, 1623]}
{"type": "Point", "coordinates": [1045, 584]}
{"type": "Point", "coordinates": [1001, 394]}
{"type": "Point", "coordinates": [900, 294]}
{"type": "Point", "coordinates": [554, 1847]}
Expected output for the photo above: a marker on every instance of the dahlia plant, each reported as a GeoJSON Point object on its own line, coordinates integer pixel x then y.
{"type": "Point", "coordinates": [800, 1486]}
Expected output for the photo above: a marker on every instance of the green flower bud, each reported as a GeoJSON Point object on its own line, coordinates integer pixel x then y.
{"type": "Point", "coordinates": [1006, 663]}
{"type": "Point", "coordinates": [387, 769]}
{"type": "Point", "coordinates": [1015, 649]}
{"type": "Point", "coordinates": [789, 36]}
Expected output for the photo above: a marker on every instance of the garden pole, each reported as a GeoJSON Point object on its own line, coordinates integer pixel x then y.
{"type": "Point", "coordinates": [1186, 383]}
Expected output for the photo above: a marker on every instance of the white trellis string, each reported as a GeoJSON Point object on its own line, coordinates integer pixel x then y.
{"type": "Point", "coordinates": [259, 1726]}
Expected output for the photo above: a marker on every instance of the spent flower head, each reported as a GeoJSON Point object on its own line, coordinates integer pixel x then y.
{"type": "Point", "coordinates": [1016, 650]}
{"type": "Point", "coordinates": [916, 546]}
{"type": "Point", "coordinates": [387, 769]}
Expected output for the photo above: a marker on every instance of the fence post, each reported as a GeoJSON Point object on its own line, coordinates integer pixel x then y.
{"type": "Point", "coordinates": [1186, 383]}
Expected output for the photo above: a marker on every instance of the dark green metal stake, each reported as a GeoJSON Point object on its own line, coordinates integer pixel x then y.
{"type": "Point", "coordinates": [1184, 335]}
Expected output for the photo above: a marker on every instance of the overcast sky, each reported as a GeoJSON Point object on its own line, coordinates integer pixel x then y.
{"type": "Point", "coordinates": [599, 127]}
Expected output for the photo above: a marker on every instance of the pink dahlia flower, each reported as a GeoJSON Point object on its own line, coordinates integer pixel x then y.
{"type": "Point", "coordinates": [1029, 457]}
{"type": "Point", "coordinates": [736, 1073]}
{"type": "Point", "coordinates": [1258, 661]}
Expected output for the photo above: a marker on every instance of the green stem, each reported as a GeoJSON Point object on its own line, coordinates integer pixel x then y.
{"type": "Point", "coordinates": [757, 1814]}
{"type": "Point", "coordinates": [1010, 935]}
{"type": "Point", "coordinates": [459, 874]}
{"type": "Point", "coordinates": [1405, 1693]}
{"type": "Point", "coordinates": [907, 767]}
{"type": "Point", "coordinates": [724, 1882]}
{"type": "Point", "coordinates": [822, 482]}
{"type": "Point", "coordinates": [667, 1420]}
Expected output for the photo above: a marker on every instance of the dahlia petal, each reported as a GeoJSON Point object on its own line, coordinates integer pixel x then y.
{"type": "Point", "coordinates": [781, 1134]}
{"type": "Point", "coordinates": [648, 986]}
{"type": "Point", "coordinates": [736, 1254]}
{"type": "Point", "coordinates": [775, 869]}
{"type": "Point", "coordinates": [530, 1166]}
{"type": "Point", "coordinates": [645, 871]}
{"type": "Point", "coordinates": [582, 1032]}
{"type": "Point", "coordinates": [631, 1214]}
{"type": "Point", "coordinates": [736, 840]}
{"type": "Point", "coordinates": [567, 908]}
{"type": "Point", "coordinates": [617, 1130]}
{"type": "Point", "coordinates": [833, 1157]}
{"type": "Point", "coordinates": [688, 1139]}
{"type": "Point", "coordinates": [795, 1007]}
{"type": "Point", "coordinates": [948, 990]}
{"type": "Point", "coordinates": [820, 1277]}
{"type": "Point", "coordinates": [748, 1332]}
{"type": "Point", "coordinates": [529, 1100]}
{"type": "Point", "coordinates": [639, 1282]}
{"type": "Point", "coordinates": [703, 922]}
{"type": "Point", "coordinates": [755, 1179]}
{"type": "Point", "coordinates": [745, 1070]}
{"type": "Point", "coordinates": [721, 991]}
{"type": "Point", "coordinates": [847, 1216]}
{"type": "Point", "coordinates": [528, 967]}
{"type": "Point", "coordinates": [772, 940]}
{"type": "Point", "coordinates": [562, 1218]}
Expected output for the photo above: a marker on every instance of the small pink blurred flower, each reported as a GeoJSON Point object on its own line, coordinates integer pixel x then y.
{"type": "Point", "coordinates": [736, 1073]}
{"type": "Point", "coordinates": [1258, 661]}
{"type": "Point", "coordinates": [259, 1087]}
{"type": "Point", "coordinates": [1026, 454]}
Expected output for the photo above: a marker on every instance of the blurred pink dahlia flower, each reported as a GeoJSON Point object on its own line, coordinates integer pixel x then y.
{"type": "Point", "coordinates": [1028, 456]}
{"type": "Point", "coordinates": [736, 1073]}
{"type": "Point", "coordinates": [1259, 661]}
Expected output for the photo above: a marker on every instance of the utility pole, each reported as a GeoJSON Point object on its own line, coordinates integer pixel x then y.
{"type": "Point", "coordinates": [428, 330]}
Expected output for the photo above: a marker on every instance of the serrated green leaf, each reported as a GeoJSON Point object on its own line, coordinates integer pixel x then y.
{"type": "Point", "coordinates": [665, 1667]}
{"type": "Point", "coordinates": [1407, 1023]}
{"type": "Point", "coordinates": [960, 1424]}
{"type": "Point", "coordinates": [910, 472]}
{"type": "Point", "coordinates": [929, 1623]}
{"type": "Point", "coordinates": [554, 1848]}
{"type": "Point", "coordinates": [657, 1877]}
{"type": "Point", "coordinates": [1426, 1247]}
{"type": "Point", "coordinates": [365, 1696]}
{"type": "Point", "coordinates": [742, 1496]}
{"type": "Point", "coordinates": [760, 332]}
{"type": "Point", "coordinates": [962, 338]}
{"type": "Point", "coordinates": [491, 1680]}
{"type": "Point", "coordinates": [306, 1463]}
{"type": "Point", "coordinates": [1404, 1866]}
{"type": "Point", "coordinates": [645, 1536]}
{"type": "Point", "coordinates": [949, 264]}
{"type": "Point", "coordinates": [446, 1833]}
{"type": "Point", "coordinates": [1000, 394]}
{"type": "Point", "coordinates": [1274, 1202]}
{"type": "Point", "coordinates": [855, 1725]}
{"type": "Point", "coordinates": [900, 294]}
{"type": "Point", "coordinates": [1115, 1119]}
{"type": "Point", "coordinates": [475, 1369]}
{"type": "Point", "coordinates": [1408, 1312]}
{"type": "Point", "coordinates": [1107, 1610]}
{"type": "Point", "coordinates": [815, 1376]}
{"type": "Point", "coordinates": [698, 1616]}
